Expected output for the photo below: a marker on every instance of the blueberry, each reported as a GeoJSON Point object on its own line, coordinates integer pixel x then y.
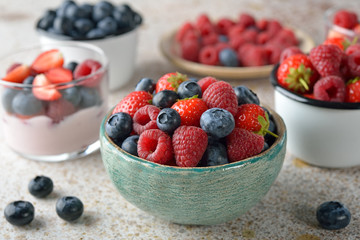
{"type": "Point", "coordinates": [217, 122]}
{"type": "Point", "coordinates": [124, 8]}
{"type": "Point", "coordinates": [118, 127]}
{"type": "Point", "coordinates": [123, 19]}
{"type": "Point", "coordinates": [137, 19]}
{"type": "Point", "coordinates": [29, 80]}
{"type": "Point", "coordinates": [71, 66]}
{"type": "Point", "coordinates": [69, 208]}
{"type": "Point", "coordinates": [72, 95]}
{"type": "Point", "coordinates": [25, 103]}
{"type": "Point", "coordinates": [19, 213]}
{"type": "Point", "coordinates": [145, 84]}
{"type": "Point", "coordinates": [193, 79]}
{"type": "Point", "coordinates": [86, 10]}
{"type": "Point", "coordinates": [7, 98]}
{"type": "Point", "coordinates": [266, 146]}
{"type": "Point", "coordinates": [73, 12]}
{"type": "Point", "coordinates": [189, 89]}
{"type": "Point", "coordinates": [223, 38]}
{"type": "Point", "coordinates": [215, 154]}
{"type": "Point", "coordinates": [108, 24]}
{"type": "Point", "coordinates": [333, 215]}
{"type": "Point", "coordinates": [165, 98]}
{"type": "Point", "coordinates": [246, 95]}
{"type": "Point", "coordinates": [102, 10]}
{"type": "Point", "coordinates": [168, 120]}
{"type": "Point", "coordinates": [60, 12]}
{"type": "Point", "coordinates": [89, 97]}
{"type": "Point", "coordinates": [228, 58]}
{"type": "Point", "coordinates": [83, 25]}
{"type": "Point", "coordinates": [47, 20]}
{"type": "Point", "coordinates": [130, 144]}
{"type": "Point", "coordinates": [63, 25]}
{"type": "Point", "coordinates": [96, 33]}
{"type": "Point", "coordinates": [40, 186]}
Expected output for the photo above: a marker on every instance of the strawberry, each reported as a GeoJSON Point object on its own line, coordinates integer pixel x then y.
{"type": "Point", "coordinates": [190, 110]}
{"type": "Point", "coordinates": [170, 81]}
{"type": "Point", "coordinates": [17, 74]}
{"type": "Point", "coordinates": [221, 94]}
{"type": "Point", "coordinates": [189, 144]}
{"type": "Point", "coordinates": [330, 88]}
{"type": "Point", "coordinates": [145, 118]}
{"type": "Point", "coordinates": [86, 68]}
{"type": "Point", "coordinates": [133, 102]}
{"type": "Point", "coordinates": [205, 82]}
{"type": "Point", "coordinates": [43, 89]}
{"type": "Point", "coordinates": [47, 60]}
{"type": "Point", "coordinates": [59, 75]}
{"type": "Point", "coordinates": [59, 109]}
{"type": "Point", "coordinates": [155, 145]}
{"type": "Point", "coordinates": [338, 41]}
{"type": "Point", "coordinates": [326, 59]}
{"type": "Point", "coordinates": [253, 118]}
{"type": "Point", "coordinates": [353, 90]}
{"type": "Point", "coordinates": [242, 144]}
{"type": "Point", "coordinates": [297, 74]}
{"type": "Point", "coordinates": [12, 67]}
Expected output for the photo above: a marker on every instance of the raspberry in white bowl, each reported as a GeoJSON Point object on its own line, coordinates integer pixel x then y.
{"type": "Point", "coordinates": [53, 99]}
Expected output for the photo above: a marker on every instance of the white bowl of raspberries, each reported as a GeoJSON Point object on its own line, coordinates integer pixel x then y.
{"type": "Point", "coordinates": [318, 96]}
{"type": "Point", "coordinates": [175, 147]}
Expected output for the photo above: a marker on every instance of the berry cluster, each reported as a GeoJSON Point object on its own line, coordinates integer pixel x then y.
{"type": "Point", "coordinates": [46, 89]}
{"type": "Point", "coordinates": [88, 21]}
{"type": "Point", "coordinates": [245, 42]}
{"type": "Point", "coordinates": [345, 19]}
{"type": "Point", "coordinates": [20, 213]}
{"type": "Point", "coordinates": [184, 122]}
{"type": "Point", "coordinates": [331, 72]}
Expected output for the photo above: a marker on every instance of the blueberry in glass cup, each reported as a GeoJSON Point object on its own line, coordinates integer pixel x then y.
{"type": "Point", "coordinates": [53, 99]}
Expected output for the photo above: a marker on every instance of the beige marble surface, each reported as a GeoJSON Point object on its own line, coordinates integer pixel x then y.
{"type": "Point", "coordinates": [286, 212]}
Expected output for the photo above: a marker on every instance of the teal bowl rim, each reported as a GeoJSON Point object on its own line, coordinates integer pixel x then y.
{"type": "Point", "coordinates": [281, 132]}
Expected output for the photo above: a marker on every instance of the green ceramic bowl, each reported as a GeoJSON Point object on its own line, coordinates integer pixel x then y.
{"type": "Point", "coordinates": [198, 195]}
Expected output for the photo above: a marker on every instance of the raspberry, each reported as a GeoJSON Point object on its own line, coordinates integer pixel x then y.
{"type": "Point", "coordinates": [59, 109]}
{"type": "Point", "coordinates": [224, 25]}
{"type": "Point", "coordinates": [235, 30]}
{"type": "Point", "coordinates": [289, 51]}
{"type": "Point", "coordinates": [273, 27]}
{"type": "Point", "coordinates": [180, 34]}
{"type": "Point", "coordinates": [274, 52]}
{"type": "Point", "coordinates": [210, 39]}
{"type": "Point", "coordinates": [237, 41]}
{"type": "Point", "coordinates": [190, 50]}
{"type": "Point", "coordinates": [262, 38]}
{"type": "Point", "coordinates": [250, 35]}
{"type": "Point", "coordinates": [145, 118]}
{"type": "Point", "coordinates": [353, 62]}
{"type": "Point", "coordinates": [191, 35]}
{"type": "Point", "coordinates": [221, 45]}
{"type": "Point", "coordinates": [205, 82]}
{"type": "Point", "coordinates": [205, 29]}
{"type": "Point", "coordinates": [202, 19]}
{"type": "Point", "coordinates": [246, 20]}
{"type": "Point", "coordinates": [326, 59]}
{"type": "Point", "coordinates": [155, 145]}
{"type": "Point", "coordinates": [242, 144]}
{"type": "Point", "coordinates": [345, 19]}
{"type": "Point", "coordinates": [284, 38]}
{"type": "Point", "coordinates": [189, 145]}
{"type": "Point", "coordinates": [352, 48]}
{"type": "Point", "coordinates": [221, 95]}
{"type": "Point", "coordinates": [344, 67]}
{"type": "Point", "coordinates": [253, 56]}
{"type": "Point", "coordinates": [330, 88]}
{"type": "Point", "coordinates": [209, 56]}
{"type": "Point", "coordinates": [262, 24]}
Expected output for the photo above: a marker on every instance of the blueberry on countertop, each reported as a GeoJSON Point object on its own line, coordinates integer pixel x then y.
{"type": "Point", "coordinates": [69, 208]}
{"type": "Point", "coordinates": [130, 144]}
{"type": "Point", "coordinates": [19, 213]}
{"type": "Point", "coordinates": [333, 215]}
{"type": "Point", "coordinates": [40, 186]}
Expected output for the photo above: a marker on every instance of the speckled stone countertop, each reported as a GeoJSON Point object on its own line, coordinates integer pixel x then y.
{"type": "Point", "coordinates": [286, 212]}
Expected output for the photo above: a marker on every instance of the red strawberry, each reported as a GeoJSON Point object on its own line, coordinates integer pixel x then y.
{"type": "Point", "coordinates": [326, 59]}
{"type": "Point", "coordinates": [59, 75]}
{"type": "Point", "coordinates": [190, 110]}
{"type": "Point", "coordinates": [189, 144]}
{"type": "Point", "coordinates": [353, 90]}
{"type": "Point", "coordinates": [43, 89]}
{"type": "Point", "coordinates": [48, 60]}
{"type": "Point", "coordinates": [17, 74]}
{"type": "Point", "coordinates": [242, 144]}
{"type": "Point", "coordinates": [297, 73]}
{"type": "Point", "coordinates": [12, 67]}
{"type": "Point", "coordinates": [145, 118]}
{"type": "Point", "coordinates": [253, 118]}
{"type": "Point", "coordinates": [338, 41]}
{"type": "Point", "coordinates": [170, 81]}
{"type": "Point", "coordinates": [221, 94]}
{"type": "Point", "coordinates": [155, 145]}
{"type": "Point", "coordinates": [205, 82]}
{"type": "Point", "coordinates": [86, 68]}
{"type": "Point", "coordinates": [330, 88]}
{"type": "Point", "coordinates": [59, 109]}
{"type": "Point", "coordinates": [133, 102]}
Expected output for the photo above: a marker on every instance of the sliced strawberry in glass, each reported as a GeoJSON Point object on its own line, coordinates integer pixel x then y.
{"type": "Point", "coordinates": [43, 89]}
{"type": "Point", "coordinates": [86, 68]}
{"type": "Point", "coordinates": [18, 74]}
{"type": "Point", "coordinates": [48, 60]}
{"type": "Point", "coordinates": [59, 75]}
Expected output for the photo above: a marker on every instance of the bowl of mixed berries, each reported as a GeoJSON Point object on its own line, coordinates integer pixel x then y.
{"type": "Point", "coordinates": [318, 95]}
{"type": "Point", "coordinates": [192, 151]}
{"type": "Point", "coordinates": [53, 98]}
{"type": "Point", "coordinates": [112, 27]}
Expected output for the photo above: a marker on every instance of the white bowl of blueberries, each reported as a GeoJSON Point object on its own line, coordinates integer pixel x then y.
{"type": "Point", "coordinates": [113, 28]}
